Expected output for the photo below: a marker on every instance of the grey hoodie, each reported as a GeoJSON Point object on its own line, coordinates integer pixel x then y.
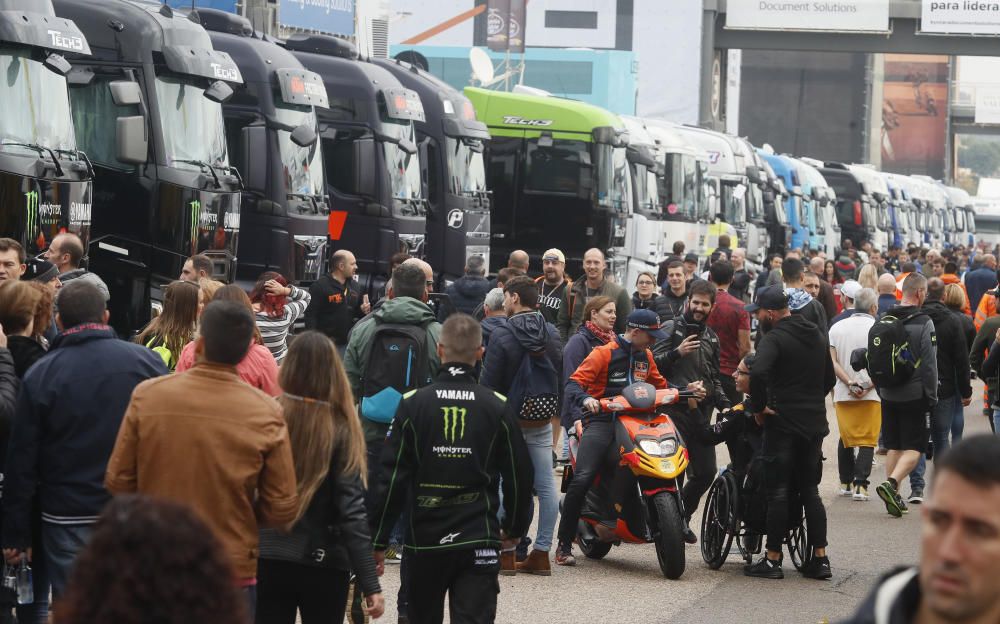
{"type": "Point", "coordinates": [86, 276]}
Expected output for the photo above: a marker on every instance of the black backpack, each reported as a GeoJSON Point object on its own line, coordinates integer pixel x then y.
{"type": "Point", "coordinates": [534, 391]}
{"type": "Point", "coordinates": [397, 363]}
{"type": "Point", "coordinates": [891, 360]}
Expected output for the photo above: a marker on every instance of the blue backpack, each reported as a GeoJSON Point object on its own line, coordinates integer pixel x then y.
{"type": "Point", "coordinates": [534, 392]}
{"type": "Point", "coordinates": [397, 363]}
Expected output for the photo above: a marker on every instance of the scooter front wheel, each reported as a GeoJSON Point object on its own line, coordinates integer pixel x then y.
{"type": "Point", "coordinates": [670, 539]}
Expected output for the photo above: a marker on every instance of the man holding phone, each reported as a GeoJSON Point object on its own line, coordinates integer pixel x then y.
{"type": "Point", "coordinates": [689, 354]}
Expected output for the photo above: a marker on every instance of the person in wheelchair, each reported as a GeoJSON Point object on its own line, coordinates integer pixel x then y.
{"type": "Point", "coordinates": [736, 427]}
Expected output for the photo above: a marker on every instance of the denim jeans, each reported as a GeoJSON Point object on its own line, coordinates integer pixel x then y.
{"type": "Point", "coordinates": [250, 597]}
{"type": "Point", "coordinates": [996, 422]}
{"type": "Point", "coordinates": [942, 423]}
{"type": "Point", "coordinates": [958, 422]}
{"type": "Point", "coordinates": [62, 543]}
{"type": "Point", "coordinates": [539, 441]}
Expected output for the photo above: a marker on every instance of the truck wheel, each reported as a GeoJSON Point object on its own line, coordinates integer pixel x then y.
{"type": "Point", "coordinates": [670, 539]}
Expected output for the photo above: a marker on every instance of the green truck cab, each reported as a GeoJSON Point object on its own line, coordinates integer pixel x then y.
{"type": "Point", "coordinates": [560, 178]}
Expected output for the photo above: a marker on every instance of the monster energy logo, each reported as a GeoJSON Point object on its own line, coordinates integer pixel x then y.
{"type": "Point", "coordinates": [195, 220]}
{"type": "Point", "coordinates": [32, 221]}
{"type": "Point", "coordinates": [452, 417]}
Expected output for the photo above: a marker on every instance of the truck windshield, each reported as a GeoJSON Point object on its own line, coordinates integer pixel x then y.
{"type": "Point", "coordinates": [647, 193]}
{"type": "Point", "coordinates": [404, 169]}
{"type": "Point", "coordinates": [613, 189]}
{"type": "Point", "coordinates": [466, 172]}
{"type": "Point", "coordinates": [680, 188]}
{"type": "Point", "coordinates": [192, 125]}
{"type": "Point", "coordinates": [36, 105]}
{"type": "Point", "coordinates": [869, 214]}
{"type": "Point", "coordinates": [971, 221]}
{"type": "Point", "coordinates": [302, 166]}
{"type": "Point", "coordinates": [734, 202]}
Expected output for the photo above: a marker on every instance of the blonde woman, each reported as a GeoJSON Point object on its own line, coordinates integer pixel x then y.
{"type": "Point", "coordinates": [868, 277]}
{"type": "Point", "coordinates": [308, 569]}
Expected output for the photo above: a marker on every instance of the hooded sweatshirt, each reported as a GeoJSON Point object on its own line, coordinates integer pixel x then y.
{"type": "Point", "coordinates": [792, 375]}
{"type": "Point", "coordinates": [894, 600]}
{"type": "Point", "coordinates": [524, 332]}
{"type": "Point", "coordinates": [403, 311]}
{"type": "Point", "coordinates": [467, 292]}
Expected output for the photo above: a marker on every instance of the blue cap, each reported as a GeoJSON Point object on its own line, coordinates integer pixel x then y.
{"type": "Point", "coordinates": [648, 321]}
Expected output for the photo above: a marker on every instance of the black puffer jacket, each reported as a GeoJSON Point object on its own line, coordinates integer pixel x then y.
{"type": "Point", "coordinates": [524, 332]}
{"type": "Point", "coordinates": [468, 292]}
{"type": "Point", "coordinates": [669, 305]}
{"type": "Point", "coordinates": [333, 533]}
{"type": "Point", "coordinates": [952, 351]}
{"type": "Point", "coordinates": [701, 365]}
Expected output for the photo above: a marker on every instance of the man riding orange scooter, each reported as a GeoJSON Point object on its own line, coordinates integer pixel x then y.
{"type": "Point", "coordinates": [605, 372]}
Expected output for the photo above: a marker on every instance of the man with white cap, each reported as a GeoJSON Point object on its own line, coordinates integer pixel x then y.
{"type": "Point", "coordinates": [552, 284]}
{"type": "Point", "coordinates": [848, 293]}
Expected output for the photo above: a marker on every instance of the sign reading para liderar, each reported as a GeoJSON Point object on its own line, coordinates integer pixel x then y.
{"type": "Point", "coordinates": [966, 17]}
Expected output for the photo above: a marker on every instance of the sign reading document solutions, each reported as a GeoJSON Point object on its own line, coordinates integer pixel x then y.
{"type": "Point", "coordinates": [334, 17]}
{"type": "Point", "coordinates": [965, 17]}
{"type": "Point", "coordinates": [829, 15]}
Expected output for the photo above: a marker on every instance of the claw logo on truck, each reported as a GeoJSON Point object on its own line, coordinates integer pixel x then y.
{"type": "Point", "coordinates": [515, 120]}
{"type": "Point", "coordinates": [41, 214]}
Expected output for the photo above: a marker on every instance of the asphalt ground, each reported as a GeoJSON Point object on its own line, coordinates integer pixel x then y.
{"type": "Point", "coordinates": [627, 586]}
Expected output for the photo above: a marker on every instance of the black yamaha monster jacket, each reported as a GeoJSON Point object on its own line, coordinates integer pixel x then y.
{"type": "Point", "coordinates": [449, 444]}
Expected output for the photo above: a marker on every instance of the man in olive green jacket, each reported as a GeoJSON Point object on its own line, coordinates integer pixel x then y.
{"type": "Point", "coordinates": [593, 284]}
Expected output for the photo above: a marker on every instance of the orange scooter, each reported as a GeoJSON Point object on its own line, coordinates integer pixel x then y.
{"type": "Point", "coordinates": [636, 500]}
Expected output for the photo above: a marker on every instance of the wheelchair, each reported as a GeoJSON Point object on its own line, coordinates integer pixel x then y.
{"type": "Point", "coordinates": [736, 511]}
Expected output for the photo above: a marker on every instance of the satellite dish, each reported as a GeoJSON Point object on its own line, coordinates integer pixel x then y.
{"type": "Point", "coordinates": [482, 66]}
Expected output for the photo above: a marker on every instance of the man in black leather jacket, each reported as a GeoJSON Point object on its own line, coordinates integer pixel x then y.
{"type": "Point", "coordinates": [691, 354]}
{"type": "Point", "coordinates": [449, 444]}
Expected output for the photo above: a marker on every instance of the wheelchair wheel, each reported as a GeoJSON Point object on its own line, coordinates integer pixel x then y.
{"type": "Point", "coordinates": [798, 544]}
{"type": "Point", "coordinates": [719, 521]}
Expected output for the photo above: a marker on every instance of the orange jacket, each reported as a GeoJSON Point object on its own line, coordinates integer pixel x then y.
{"type": "Point", "coordinates": [987, 307]}
{"type": "Point", "coordinates": [951, 278]}
{"type": "Point", "coordinates": [610, 368]}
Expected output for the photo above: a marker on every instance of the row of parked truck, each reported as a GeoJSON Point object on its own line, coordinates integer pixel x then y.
{"type": "Point", "coordinates": [156, 133]}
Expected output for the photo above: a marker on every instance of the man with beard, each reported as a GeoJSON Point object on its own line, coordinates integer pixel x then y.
{"type": "Point", "coordinates": [690, 354]}
{"type": "Point", "coordinates": [958, 579]}
{"type": "Point", "coordinates": [789, 381]}
{"type": "Point", "coordinates": [594, 283]}
{"type": "Point", "coordinates": [552, 284]}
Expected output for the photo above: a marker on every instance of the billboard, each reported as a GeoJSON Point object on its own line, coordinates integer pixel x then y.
{"type": "Point", "coordinates": [963, 18]}
{"type": "Point", "coordinates": [335, 17]}
{"type": "Point", "coordinates": [505, 25]}
{"type": "Point", "coordinates": [223, 5]}
{"type": "Point", "coordinates": [843, 15]}
{"type": "Point", "coordinates": [914, 114]}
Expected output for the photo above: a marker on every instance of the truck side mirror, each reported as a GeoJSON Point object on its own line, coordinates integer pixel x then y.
{"type": "Point", "coordinates": [753, 174]}
{"type": "Point", "coordinates": [219, 92]}
{"type": "Point", "coordinates": [304, 135]}
{"type": "Point", "coordinates": [131, 143]}
{"type": "Point", "coordinates": [365, 167]}
{"type": "Point", "coordinates": [252, 159]}
{"type": "Point", "coordinates": [125, 93]}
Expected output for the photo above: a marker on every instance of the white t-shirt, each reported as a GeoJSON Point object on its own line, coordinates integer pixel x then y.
{"type": "Point", "coordinates": [846, 336]}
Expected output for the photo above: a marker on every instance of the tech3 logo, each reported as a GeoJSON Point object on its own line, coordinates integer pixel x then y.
{"type": "Point", "coordinates": [453, 416]}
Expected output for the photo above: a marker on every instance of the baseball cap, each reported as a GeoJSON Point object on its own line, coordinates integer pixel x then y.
{"type": "Point", "coordinates": [648, 321]}
{"type": "Point", "coordinates": [850, 289]}
{"type": "Point", "coordinates": [554, 254]}
{"type": "Point", "coordinates": [691, 258]}
{"type": "Point", "coordinates": [769, 298]}
{"type": "Point", "coordinates": [39, 270]}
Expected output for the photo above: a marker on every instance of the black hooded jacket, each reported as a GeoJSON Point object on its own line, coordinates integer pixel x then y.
{"type": "Point", "coordinates": [524, 332]}
{"type": "Point", "coordinates": [894, 600]}
{"type": "Point", "coordinates": [700, 365]}
{"type": "Point", "coordinates": [952, 351]}
{"type": "Point", "coordinates": [468, 292]}
{"type": "Point", "coordinates": [792, 375]}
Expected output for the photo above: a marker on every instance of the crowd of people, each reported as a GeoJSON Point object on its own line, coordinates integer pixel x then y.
{"type": "Point", "coordinates": [377, 431]}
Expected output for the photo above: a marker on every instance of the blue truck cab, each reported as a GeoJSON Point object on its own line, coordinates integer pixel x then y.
{"type": "Point", "coordinates": [794, 206]}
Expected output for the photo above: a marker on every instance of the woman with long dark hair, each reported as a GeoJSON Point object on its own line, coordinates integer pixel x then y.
{"type": "Point", "coordinates": [277, 306]}
{"type": "Point", "coordinates": [308, 570]}
{"type": "Point", "coordinates": [175, 327]}
{"type": "Point", "coordinates": [151, 560]}
{"type": "Point", "coordinates": [830, 273]}
{"type": "Point", "coordinates": [257, 367]}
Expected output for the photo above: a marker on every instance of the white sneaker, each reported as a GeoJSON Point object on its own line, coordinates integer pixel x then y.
{"type": "Point", "coordinates": [861, 493]}
{"type": "Point", "coordinates": [845, 489]}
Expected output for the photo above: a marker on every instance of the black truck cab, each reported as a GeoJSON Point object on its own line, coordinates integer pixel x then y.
{"type": "Point", "coordinates": [273, 129]}
{"type": "Point", "coordinates": [373, 172]}
{"type": "Point", "coordinates": [45, 181]}
{"type": "Point", "coordinates": [147, 110]}
{"type": "Point", "coordinates": [451, 142]}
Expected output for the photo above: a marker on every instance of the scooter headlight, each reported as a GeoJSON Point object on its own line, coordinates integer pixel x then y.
{"type": "Point", "coordinates": [650, 447]}
{"type": "Point", "coordinates": [668, 447]}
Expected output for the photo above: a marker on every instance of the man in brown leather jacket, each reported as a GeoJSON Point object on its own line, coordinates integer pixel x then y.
{"type": "Point", "coordinates": [206, 439]}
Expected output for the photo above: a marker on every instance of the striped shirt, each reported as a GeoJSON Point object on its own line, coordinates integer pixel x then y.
{"type": "Point", "coordinates": [274, 330]}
